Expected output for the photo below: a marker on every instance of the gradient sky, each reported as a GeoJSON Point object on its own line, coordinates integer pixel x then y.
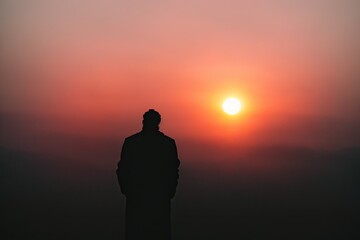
{"type": "Point", "coordinates": [91, 68]}
{"type": "Point", "coordinates": [76, 77]}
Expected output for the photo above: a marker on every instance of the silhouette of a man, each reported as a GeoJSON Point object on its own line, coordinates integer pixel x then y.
{"type": "Point", "coordinates": [148, 176]}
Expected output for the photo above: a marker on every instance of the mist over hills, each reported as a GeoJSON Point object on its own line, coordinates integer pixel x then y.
{"type": "Point", "coordinates": [309, 193]}
{"type": "Point", "coordinates": [59, 184]}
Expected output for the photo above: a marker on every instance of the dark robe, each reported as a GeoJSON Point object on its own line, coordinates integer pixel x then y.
{"type": "Point", "coordinates": [148, 174]}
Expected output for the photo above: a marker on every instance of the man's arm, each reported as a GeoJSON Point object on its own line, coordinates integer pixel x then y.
{"type": "Point", "coordinates": [123, 167]}
{"type": "Point", "coordinates": [175, 163]}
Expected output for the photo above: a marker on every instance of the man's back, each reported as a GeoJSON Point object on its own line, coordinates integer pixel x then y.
{"type": "Point", "coordinates": [148, 165]}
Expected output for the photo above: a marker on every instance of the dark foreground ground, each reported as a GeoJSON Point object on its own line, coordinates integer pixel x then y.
{"type": "Point", "coordinates": [317, 196]}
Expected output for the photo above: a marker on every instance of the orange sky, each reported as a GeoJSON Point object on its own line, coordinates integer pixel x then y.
{"type": "Point", "coordinates": [93, 67]}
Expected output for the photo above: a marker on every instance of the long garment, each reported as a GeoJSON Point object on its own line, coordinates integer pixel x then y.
{"type": "Point", "coordinates": [148, 219]}
{"type": "Point", "coordinates": [148, 174]}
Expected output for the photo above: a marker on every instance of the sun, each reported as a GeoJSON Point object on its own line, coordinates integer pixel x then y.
{"type": "Point", "coordinates": [231, 106]}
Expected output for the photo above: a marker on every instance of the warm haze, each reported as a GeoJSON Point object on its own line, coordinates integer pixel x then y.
{"type": "Point", "coordinates": [91, 68]}
{"type": "Point", "coordinates": [76, 77]}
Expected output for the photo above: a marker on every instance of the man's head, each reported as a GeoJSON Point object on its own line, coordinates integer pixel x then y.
{"type": "Point", "coordinates": [151, 119]}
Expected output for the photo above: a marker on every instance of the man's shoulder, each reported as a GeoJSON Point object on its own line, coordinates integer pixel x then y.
{"type": "Point", "coordinates": [132, 137]}
{"type": "Point", "coordinates": [167, 138]}
{"type": "Point", "coordinates": [139, 135]}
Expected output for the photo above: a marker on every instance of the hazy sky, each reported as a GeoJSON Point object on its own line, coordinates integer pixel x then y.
{"type": "Point", "coordinates": [76, 77]}
{"type": "Point", "coordinates": [93, 67]}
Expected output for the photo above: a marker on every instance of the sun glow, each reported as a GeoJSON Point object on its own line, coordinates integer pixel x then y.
{"type": "Point", "coordinates": [231, 106]}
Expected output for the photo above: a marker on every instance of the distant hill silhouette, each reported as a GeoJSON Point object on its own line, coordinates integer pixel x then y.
{"type": "Point", "coordinates": [318, 201]}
